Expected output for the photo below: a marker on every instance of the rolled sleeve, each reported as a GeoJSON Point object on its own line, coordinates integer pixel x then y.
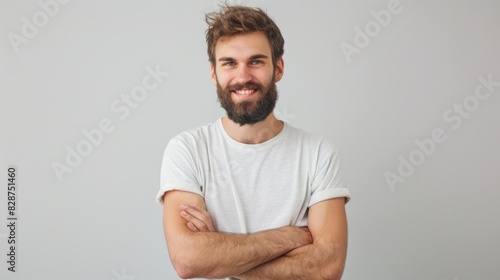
{"type": "Point", "coordinates": [178, 170]}
{"type": "Point", "coordinates": [329, 180]}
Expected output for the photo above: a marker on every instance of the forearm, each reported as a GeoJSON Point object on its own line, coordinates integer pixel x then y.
{"type": "Point", "coordinates": [314, 261]}
{"type": "Point", "coordinates": [217, 255]}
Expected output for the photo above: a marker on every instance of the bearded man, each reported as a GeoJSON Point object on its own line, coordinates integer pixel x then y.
{"type": "Point", "coordinates": [250, 196]}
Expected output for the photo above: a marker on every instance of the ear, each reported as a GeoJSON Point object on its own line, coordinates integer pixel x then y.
{"type": "Point", "coordinates": [280, 68]}
{"type": "Point", "coordinates": [212, 74]}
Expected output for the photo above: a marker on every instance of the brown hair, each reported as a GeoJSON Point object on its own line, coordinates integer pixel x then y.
{"type": "Point", "coordinates": [234, 20]}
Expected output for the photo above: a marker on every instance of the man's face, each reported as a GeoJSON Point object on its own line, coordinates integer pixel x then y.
{"type": "Point", "coordinates": [245, 77]}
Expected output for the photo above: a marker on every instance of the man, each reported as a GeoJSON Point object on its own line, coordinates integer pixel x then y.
{"type": "Point", "coordinates": [249, 196]}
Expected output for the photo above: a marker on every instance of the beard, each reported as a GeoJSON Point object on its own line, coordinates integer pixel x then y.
{"type": "Point", "coordinates": [248, 112]}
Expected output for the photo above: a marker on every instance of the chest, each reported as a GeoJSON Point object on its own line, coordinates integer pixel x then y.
{"type": "Point", "coordinates": [256, 191]}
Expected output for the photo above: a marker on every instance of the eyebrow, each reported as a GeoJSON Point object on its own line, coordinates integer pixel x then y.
{"type": "Point", "coordinates": [256, 56]}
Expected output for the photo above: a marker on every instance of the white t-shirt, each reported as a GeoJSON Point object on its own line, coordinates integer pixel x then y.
{"type": "Point", "coordinates": [253, 187]}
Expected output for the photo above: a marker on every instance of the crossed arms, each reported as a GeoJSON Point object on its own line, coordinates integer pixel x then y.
{"type": "Point", "coordinates": [197, 250]}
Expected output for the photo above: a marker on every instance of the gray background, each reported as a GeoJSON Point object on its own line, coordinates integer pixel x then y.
{"type": "Point", "coordinates": [101, 221]}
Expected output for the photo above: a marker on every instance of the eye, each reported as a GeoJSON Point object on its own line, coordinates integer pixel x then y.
{"type": "Point", "coordinates": [229, 63]}
{"type": "Point", "coordinates": [256, 62]}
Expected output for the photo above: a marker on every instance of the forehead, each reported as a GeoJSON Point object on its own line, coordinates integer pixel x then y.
{"type": "Point", "coordinates": [243, 46]}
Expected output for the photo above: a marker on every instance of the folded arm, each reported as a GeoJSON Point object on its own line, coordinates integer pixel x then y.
{"type": "Point", "coordinates": [205, 253]}
{"type": "Point", "coordinates": [323, 259]}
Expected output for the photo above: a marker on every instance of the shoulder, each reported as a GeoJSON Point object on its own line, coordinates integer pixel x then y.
{"type": "Point", "coordinates": [311, 141]}
{"type": "Point", "coordinates": [195, 136]}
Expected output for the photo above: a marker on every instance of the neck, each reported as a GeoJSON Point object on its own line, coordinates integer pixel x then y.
{"type": "Point", "coordinates": [253, 133]}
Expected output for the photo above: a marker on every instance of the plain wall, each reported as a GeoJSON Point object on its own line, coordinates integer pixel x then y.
{"type": "Point", "coordinates": [412, 81]}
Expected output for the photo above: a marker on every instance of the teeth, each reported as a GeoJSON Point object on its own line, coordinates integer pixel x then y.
{"type": "Point", "coordinates": [244, 92]}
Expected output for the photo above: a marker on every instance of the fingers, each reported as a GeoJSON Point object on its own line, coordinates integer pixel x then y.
{"type": "Point", "coordinates": [198, 218]}
{"type": "Point", "coordinates": [192, 223]}
{"type": "Point", "coordinates": [192, 227]}
{"type": "Point", "coordinates": [308, 234]}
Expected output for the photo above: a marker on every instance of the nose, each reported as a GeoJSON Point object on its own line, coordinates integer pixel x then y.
{"type": "Point", "coordinates": [243, 75]}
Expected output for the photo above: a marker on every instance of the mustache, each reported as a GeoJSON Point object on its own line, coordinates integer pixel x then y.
{"type": "Point", "coordinates": [251, 85]}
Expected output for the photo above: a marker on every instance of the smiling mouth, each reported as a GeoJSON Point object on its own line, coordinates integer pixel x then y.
{"type": "Point", "coordinates": [244, 91]}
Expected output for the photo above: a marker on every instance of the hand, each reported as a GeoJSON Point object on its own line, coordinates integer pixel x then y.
{"type": "Point", "coordinates": [308, 236]}
{"type": "Point", "coordinates": [197, 218]}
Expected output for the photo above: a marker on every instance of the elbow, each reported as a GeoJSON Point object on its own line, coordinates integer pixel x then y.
{"type": "Point", "coordinates": [183, 273]}
{"type": "Point", "coordinates": [183, 267]}
{"type": "Point", "coordinates": [188, 267]}
{"type": "Point", "coordinates": [337, 276]}
{"type": "Point", "coordinates": [332, 272]}
{"type": "Point", "coordinates": [183, 257]}
{"type": "Point", "coordinates": [189, 264]}
{"type": "Point", "coordinates": [331, 269]}
{"type": "Point", "coordinates": [330, 275]}
{"type": "Point", "coordinates": [334, 265]}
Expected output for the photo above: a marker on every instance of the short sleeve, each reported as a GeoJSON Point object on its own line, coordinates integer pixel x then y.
{"type": "Point", "coordinates": [178, 170]}
{"type": "Point", "coordinates": [328, 179]}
